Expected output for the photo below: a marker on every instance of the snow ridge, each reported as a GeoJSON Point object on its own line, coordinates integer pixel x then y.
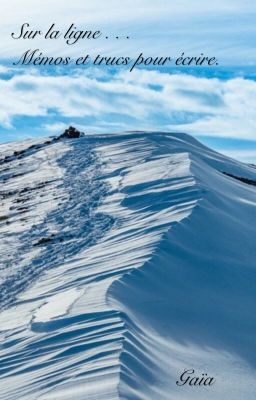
{"type": "Point", "coordinates": [95, 261]}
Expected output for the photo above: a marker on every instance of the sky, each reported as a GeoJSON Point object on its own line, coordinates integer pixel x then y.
{"type": "Point", "coordinates": [215, 104]}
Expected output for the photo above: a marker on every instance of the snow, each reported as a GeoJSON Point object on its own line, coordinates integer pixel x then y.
{"type": "Point", "coordinates": [57, 306]}
{"type": "Point", "coordinates": [149, 270]}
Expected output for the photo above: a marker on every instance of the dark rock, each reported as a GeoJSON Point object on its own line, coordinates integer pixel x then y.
{"type": "Point", "coordinates": [71, 133]}
{"type": "Point", "coordinates": [22, 208]}
{"type": "Point", "coordinates": [5, 195]}
{"type": "Point", "coordinates": [241, 179]}
{"type": "Point", "coordinates": [20, 200]}
{"type": "Point", "coordinates": [8, 159]}
{"type": "Point", "coordinates": [19, 153]}
{"type": "Point", "coordinates": [44, 240]}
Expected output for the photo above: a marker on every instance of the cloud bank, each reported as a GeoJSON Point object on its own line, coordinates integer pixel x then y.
{"type": "Point", "coordinates": [140, 100]}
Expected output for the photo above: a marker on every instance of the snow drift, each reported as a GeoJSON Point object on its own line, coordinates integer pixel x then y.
{"type": "Point", "coordinates": [126, 259]}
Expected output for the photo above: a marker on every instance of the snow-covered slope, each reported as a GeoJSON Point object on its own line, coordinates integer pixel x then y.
{"type": "Point", "coordinates": [126, 259]}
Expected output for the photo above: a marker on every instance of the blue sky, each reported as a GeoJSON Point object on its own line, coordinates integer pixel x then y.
{"type": "Point", "coordinates": [215, 104]}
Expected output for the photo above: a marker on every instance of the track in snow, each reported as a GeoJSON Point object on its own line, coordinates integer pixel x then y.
{"type": "Point", "coordinates": [73, 224]}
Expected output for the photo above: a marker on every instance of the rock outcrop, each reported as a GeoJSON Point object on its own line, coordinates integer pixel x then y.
{"type": "Point", "coordinates": [71, 133]}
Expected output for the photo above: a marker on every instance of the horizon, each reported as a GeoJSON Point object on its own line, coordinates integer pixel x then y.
{"type": "Point", "coordinates": [214, 103]}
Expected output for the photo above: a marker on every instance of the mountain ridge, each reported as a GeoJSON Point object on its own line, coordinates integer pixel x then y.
{"type": "Point", "coordinates": [82, 328]}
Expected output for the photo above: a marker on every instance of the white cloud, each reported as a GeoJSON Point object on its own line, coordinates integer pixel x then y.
{"type": "Point", "coordinates": [248, 156]}
{"type": "Point", "coordinates": [54, 128]}
{"type": "Point", "coordinates": [141, 100]}
{"type": "Point", "coordinates": [3, 69]}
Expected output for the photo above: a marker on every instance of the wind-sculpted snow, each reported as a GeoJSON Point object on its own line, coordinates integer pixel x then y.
{"type": "Point", "coordinates": [70, 227]}
{"type": "Point", "coordinates": [121, 267]}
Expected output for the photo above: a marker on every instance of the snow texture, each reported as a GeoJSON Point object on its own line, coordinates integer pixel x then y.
{"type": "Point", "coordinates": [125, 259]}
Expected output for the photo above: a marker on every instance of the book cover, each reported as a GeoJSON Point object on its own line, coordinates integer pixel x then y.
{"type": "Point", "coordinates": [127, 200]}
